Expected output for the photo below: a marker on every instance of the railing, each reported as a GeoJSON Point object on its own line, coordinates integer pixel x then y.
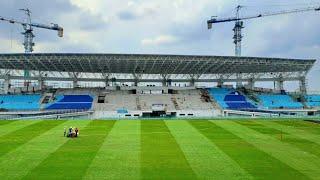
{"type": "Point", "coordinates": [308, 93]}
{"type": "Point", "coordinates": [50, 115]}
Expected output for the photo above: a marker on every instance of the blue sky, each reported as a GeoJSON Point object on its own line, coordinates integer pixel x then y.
{"type": "Point", "coordinates": [167, 27]}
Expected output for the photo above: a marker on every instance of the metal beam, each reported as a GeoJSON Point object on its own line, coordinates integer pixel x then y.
{"type": "Point", "coordinates": [149, 80]}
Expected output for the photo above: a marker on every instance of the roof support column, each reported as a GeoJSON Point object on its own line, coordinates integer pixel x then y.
{"type": "Point", "coordinates": [280, 84]}
{"type": "Point", "coordinates": [303, 85]}
{"type": "Point", "coordinates": [106, 82]}
{"type": "Point", "coordinates": [74, 76]}
{"type": "Point", "coordinates": [193, 78]}
{"type": "Point", "coordinates": [251, 83]}
{"type": "Point", "coordinates": [106, 79]}
{"type": "Point", "coordinates": [165, 80]}
{"type": "Point", "coordinates": [137, 78]}
{"type": "Point", "coordinates": [41, 81]}
{"type": "Point", "coordinates": [239, 81]}
{"type": "Point", "coordinates": [220, 82]}
{"type": "Point", "coordinates": [7, 84]}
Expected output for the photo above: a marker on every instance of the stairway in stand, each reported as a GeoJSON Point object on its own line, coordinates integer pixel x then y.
{"type": "Point", "coordinates": [175, 103]}
{"type": "Point", "coordinates": [138, 103]}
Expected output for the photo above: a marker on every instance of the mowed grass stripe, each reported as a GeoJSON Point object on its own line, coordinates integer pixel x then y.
{"type": "Point", "coordinates": [256, 162]}
{"type": "Point", "coordinates": [3, 122]}
{"type": "Point", "coordinates": [302, 125]}
{"type": "Point", "coordinates": [303, 134]}
{"type": "Point", "coordinates": [16, 164]}
{"type": "Point", "coordinates": [205, 158]}
{"type": "Point", "coordinates": [15, 125]}
{"type": "Point", "coordinates": [302, 139]}
{"type": "Point", "coordinates": [302, 161]}
{"type": "Point", "coordinates": [73, 158]}
{"type": "Point", "coordinates": [119, 156]}
{"type": "Point", "coordinates": [161, 156]}
{"type": "Point", "coordinates": [17, 138]}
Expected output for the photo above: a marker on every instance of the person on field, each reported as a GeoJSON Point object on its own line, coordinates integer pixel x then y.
{"type": "Point", "coordinates": [64, 132]}
{"type": "Point", "coordinates": [70, 132]}
{"type": "Point", "coordinates": [76, 130]}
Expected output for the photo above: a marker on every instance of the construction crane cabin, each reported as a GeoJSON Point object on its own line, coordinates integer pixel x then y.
{"type": "Point", "coordinates": [239, 22]}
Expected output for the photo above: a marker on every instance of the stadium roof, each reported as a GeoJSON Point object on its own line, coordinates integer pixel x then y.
{"type": "Point", "coordinates": [151, 64]}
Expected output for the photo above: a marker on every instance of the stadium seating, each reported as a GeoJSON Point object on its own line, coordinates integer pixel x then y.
{"type": "Point", "coordinates": [313, 100]}
{"type": "Point", "coordinates": [181, 100]}
{"type": "Point", "coordinates": [122, 111]}
{"type": "Point", "coordinates": [279, 101]}
{"type": "Point", "coordinates": [77, 102]}
{"type": "Point", "coordinates": [20, 102]}
{"type": "Point", "coordinates": [230, 99]}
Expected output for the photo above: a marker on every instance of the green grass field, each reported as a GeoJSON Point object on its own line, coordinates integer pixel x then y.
{"type": "Point", "coordinates": [173, 149]}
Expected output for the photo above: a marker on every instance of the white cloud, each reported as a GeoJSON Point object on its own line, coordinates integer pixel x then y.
{"type": "Point", "coordinates": [160, 40]}
{"type": "Point", "coordinates": [87, 5]}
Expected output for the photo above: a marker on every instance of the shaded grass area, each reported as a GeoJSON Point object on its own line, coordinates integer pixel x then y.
{"type": "Point", "coordinates": [256, 162]}
{"type": "Point", "coordinates": [72, 159]}
{"type": "Point", "coordinates": [303, 144]}
{"type": "Point", "coordinates": [161, 157]}
{"type": "Point", "coordinates": [16, 138]}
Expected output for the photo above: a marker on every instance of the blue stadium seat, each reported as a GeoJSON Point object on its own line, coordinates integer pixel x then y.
{"type": "Point", "coordinates": [313, 100]}
{"type": "Point", "coordinates": [279, 101]}
{"type": "Point", "coordinates": [122, 111]}
{"type": "Point", "coordinates": [20, 102]}
{"type": "Point", "coordinates": [73, 102]}
{"type": "Point", "coordinates": [77, 98]}
{"type": "Point", "coordinates": [230, 99]}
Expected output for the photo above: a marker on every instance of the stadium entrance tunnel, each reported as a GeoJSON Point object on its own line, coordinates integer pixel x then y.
{"type": "Point", "coordinates": [158, 114]}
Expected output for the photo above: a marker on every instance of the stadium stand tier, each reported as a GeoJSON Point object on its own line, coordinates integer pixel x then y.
{"type": "Point", "coordinates": [20, 102]}
{"type": "Point", "coordinates": [279, 101]}
{"type": "Point", "coordinates": [71, 102]}
{"type": "Point", "coordinates": [203, 102]}
{"type": "Point", "coordinates": [230, 99]}
{"type": "Point", "coordinates": [313, 100]}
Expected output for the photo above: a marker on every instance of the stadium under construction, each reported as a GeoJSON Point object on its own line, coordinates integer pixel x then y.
{"type": "Point", "coordinates": [108, 86]}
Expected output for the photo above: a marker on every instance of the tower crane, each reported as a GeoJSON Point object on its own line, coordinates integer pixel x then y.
{"type": "Point", "coordinates": [28, 32]}
{"type": "Point", "coordinates": [28, 29]}
{"type": "Point", "coordinates": [239, 22]}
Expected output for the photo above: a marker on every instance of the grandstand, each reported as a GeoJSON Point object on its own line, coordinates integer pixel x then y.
{"type": "Point", "coordinates": [135, 86]}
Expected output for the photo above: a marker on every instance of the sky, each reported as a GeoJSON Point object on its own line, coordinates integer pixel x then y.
{"type": "Point", "coordinates": [167, 27]}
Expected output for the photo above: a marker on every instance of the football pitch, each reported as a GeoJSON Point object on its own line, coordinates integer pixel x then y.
{"type": "Point", "coordinates": [160, 149]}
